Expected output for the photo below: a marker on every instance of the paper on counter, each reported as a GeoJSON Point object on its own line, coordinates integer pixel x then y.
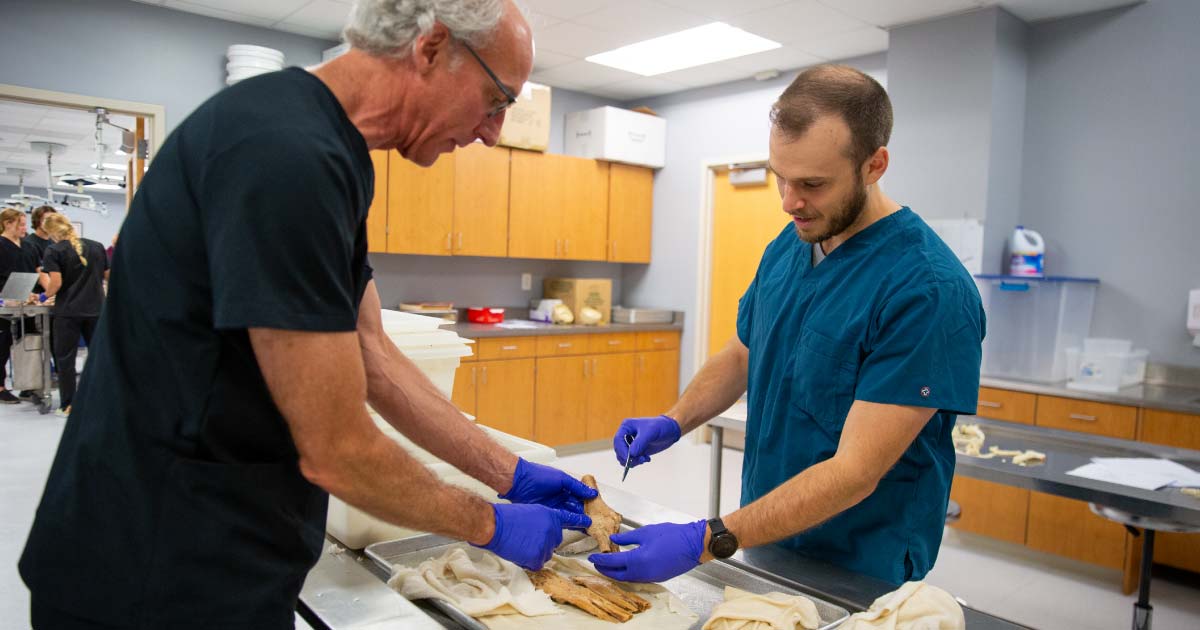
{"type": "Point", "coordinates": [1138, 472]}
{"type": "Point", "coordinates": [520, 324]}
{"type": "Point", "coordinates": [1181, 475]}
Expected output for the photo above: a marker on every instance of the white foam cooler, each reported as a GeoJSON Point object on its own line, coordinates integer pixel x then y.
{"type": "Point", "coordinates": [357, 529]}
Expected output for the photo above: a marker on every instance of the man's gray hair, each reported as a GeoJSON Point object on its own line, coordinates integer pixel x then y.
{"type": "Point", "coordinates": [391, 27]}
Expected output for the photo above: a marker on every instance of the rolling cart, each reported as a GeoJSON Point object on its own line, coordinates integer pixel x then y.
{"type": "Point", "coordinates": [31, 352]}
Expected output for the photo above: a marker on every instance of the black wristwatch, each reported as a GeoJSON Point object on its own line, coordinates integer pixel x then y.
{"type": "Point", "coordinates": [722, 543]}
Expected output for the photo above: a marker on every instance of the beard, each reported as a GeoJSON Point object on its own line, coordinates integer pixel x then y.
{"type": "Point", "coordinates": [847, 212]}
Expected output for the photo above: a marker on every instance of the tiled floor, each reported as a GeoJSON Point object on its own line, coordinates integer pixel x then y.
{"type": "Point", "coordinates": [1007, 580]}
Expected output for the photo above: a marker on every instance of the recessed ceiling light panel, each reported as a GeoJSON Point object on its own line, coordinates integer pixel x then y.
{"type": "Point", "coordinates": [697, 46]}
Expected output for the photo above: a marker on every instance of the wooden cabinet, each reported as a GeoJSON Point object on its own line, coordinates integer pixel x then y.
{"type": "Point", "coordinates": [610, 394]}
{"type": "Point", "coordinates": [558, 207]}
{"type": "Point", "coordinates": [466, 384]}
{"type": "Point", "coordinates": [618, 342]}
{"type": "Point", "coordinates": [498, 393]}
{"type": "Point", "coordinates": [664, 340]}
{"type": "Point", "coordinates": [1118, 421]}
{"type": "Point", "coordinates": [420, 203]}
{"type": "Point", "coordinates": [1002, 404]}
{"type": "Point", "coordinates": [377, 216]}
{"type": "Point", "coordinates": [562, 345]}
{"type": "Point", "coordinates": [991, 509]}
{"type": "Point", "coordinates": [1067, 527]}
{"type": "Point", "coordinates": [481, 201]}
{"type": "Point", "coordinates": [656, 382]}
{"type": "Point", "coordinates": [506, 348]}
{"type": "Point", "coordinates": [561, 398]}
{"type": "Point", "coordinates": [630, 211]}
{"type": "Point", "coordinates": [1183, 431]}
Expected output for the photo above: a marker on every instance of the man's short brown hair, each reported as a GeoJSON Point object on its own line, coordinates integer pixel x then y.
{"type": "Point", "coordinates": [38, 213]}
{"type": "Point", "coordinates": [842, 91]}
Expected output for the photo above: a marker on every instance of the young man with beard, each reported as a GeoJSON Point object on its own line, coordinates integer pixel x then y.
{"type": "Point", "coordinates": [858, 342]}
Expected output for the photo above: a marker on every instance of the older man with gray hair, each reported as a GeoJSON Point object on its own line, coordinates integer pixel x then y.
{"type": "Point", "coordinates": [218, 409]}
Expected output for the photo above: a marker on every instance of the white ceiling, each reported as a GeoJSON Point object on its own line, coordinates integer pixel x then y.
{"type": "Point", "coordinates": [566, 31]}
{"type": "Point", "coordinates": [22, 123]}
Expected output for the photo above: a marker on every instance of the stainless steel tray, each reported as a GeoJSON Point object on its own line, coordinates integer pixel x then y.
{"type": "Point", "coordinates": [701, 588]}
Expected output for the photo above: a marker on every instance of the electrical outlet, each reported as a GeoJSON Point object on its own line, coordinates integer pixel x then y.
{"type": "Point", "coordinates": [526, 282]}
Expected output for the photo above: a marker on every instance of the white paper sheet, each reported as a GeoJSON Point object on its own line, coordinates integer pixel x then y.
{"type": "Point", "coordinates": [1139, 472]}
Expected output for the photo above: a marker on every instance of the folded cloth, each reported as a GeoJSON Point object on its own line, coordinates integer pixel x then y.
{"type": "Point", "coordinates": [914, 606]}
{"type": "Point", "coordinates": [772, 611]}
{"type": "Point", "coordinates": [486, 585]}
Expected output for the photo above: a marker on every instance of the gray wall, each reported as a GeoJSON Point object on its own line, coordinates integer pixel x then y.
{"type": "Point", "coordinates": [129, 50]}
{"type": "Point", "coordinates": [719, 122]}
{"type": "Point", "coordinates": [1109, 175]}
{"type": "Point", "coordinates": [95, 226]}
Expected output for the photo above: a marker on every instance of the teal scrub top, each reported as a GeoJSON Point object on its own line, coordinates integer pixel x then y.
{"type": "Point", "coordinates": [890, 316]}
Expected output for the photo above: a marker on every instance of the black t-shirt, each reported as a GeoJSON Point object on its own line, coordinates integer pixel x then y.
{"type": "Point", "coordinates": [175, 497]}
{"type": "Point", "coordinates": [82, 290]}
{"type": "Point", "coordinates": [36, 246]}
{"type": "Point", "coordinates": [11, 259]}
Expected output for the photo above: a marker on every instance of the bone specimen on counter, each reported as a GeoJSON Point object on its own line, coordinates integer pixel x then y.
{"type": "Point", "coordinates": [968, 440]}
{"type": "Point", "coordinates": [742, 610]}
{"type": "Point", "coordinates": [564, 591]}
{"type": "Point", "coordinates": [609, 590]}
{"type": "Point", "coordinates": [605, 520]}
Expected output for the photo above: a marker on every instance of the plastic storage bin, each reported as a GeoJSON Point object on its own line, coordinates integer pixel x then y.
{"type": "Point", "coordinates": [1105, 365]}
{"type": "Point", "coordinates": [436, 352]}
{"type": "Point", "coordinates": [357, 529]}
{"type": "Point", "coordinates": [1031, 322]}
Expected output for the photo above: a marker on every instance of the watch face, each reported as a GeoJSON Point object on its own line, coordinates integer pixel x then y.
{"type": "Point", "coordinates": [723, 545]}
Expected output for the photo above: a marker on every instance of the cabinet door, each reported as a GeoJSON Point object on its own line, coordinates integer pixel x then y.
{"type": "Point", "coordinates": [420, 206]}
{"type": "Point", "coordinates": [656, 387]}
{"type": "Point", "coordinates": [466, 381]}
{"type": "Point", "coordinates": [560, 413]}
{"type": "Point", "coordinates": [585, 208]}
{"type": "Point", "coordinates": [505, 399]}
{"type": "Point", "coordinates": [1180, 430]}
{"type": "Point", "coordinates": [481, 201]}
{"type": "Point", "coordinates": [610, 394]}
{"type": "Point", "coordinates": [1068, 528]}
{"type": "Point", "coordinates": [1097, 418]}
{"type": "Point", "coordinates": [630, 212]}
{"type": "Point", "coordinates": [991, 509]}
{"type": "Point", "coordinates": [536, 196]}
{"type": "Point", "coordinates": [377, 216]}
{"type": "Point", "coordinates": [1003, 404]}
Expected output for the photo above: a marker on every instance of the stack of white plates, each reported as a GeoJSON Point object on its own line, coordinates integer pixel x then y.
{"type": "Point", "coordinates": [246, 61]}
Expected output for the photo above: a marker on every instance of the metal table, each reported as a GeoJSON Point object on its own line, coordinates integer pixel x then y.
{"type": "Point", "coordinates": [16, 315]}
{"type": "Point", "coordinates": [344, 592]}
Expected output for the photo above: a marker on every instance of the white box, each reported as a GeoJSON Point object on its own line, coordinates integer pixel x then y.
{"type": "Point", "coordinates": [1106, 371]}
{"type": "Point", "coordinates": [617, 135]}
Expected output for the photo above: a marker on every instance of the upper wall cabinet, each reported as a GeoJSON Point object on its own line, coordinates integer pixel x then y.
{"type": "Point", "coordinates": [420, 205]}
{"type": "Point", "coordinates": [558, 207]}
{"type": "Point", "coordinates": [377, 226]}
{"type": "Point", "coordinates": [630, 208]}
{"type": "Point", "coordinates": [481, 201]}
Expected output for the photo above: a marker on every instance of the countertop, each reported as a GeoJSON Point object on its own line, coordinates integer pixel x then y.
{"type": "Point", "coordinates": [1151, 396]}
{"type": "Point", "coordinates": [478, 331]}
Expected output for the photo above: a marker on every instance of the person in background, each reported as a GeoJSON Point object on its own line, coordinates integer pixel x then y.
{"type": "Point", "coordinates": [113, 247]}
{"type": "Point", "coordinates": [11, 260]}
{"type": "Point", "coordinates": [36, 242]}
{"type": "Point", "coordinates": [73, 271]}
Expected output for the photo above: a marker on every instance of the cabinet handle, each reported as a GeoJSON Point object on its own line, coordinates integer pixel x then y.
{"type": "Point", "coordinates": [1082, 416]}
{"type": "Point", "coordinates": [485, 375]}
{"type": "Point", "coordinates": [989, 404]}
{"type": "Point", "coordinates": [585, 368]}
{"type": "Point", "coordinates": [472, 377]}
{"type": "Point", "coordinates": [642, 362]}
{"type": "Point", "coordinates": [557, 247]}
{"type": "Point", "coordinates": [508, 347]}
{"type": "Point", "coordinates": [612, 249]}
{"type": "Point", "coordinates": [565, 345]}
{"type": "Point", "coordinates": [449, 242]}
{"type": "Point", "coordinates": [566, 247]}
{"type": "Point", "coordinates": [614, 342]}
{"type": "Point", "coordinates": [460, 241]}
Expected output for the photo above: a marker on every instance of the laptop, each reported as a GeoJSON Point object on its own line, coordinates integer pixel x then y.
{"type": "Point", "coordinates": [19, 286]}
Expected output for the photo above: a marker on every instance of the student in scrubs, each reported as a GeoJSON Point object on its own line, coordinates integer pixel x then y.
{"type": "Point", "coordinates": [857, 343]}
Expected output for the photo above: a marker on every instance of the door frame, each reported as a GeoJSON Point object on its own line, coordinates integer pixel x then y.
{"type": "Point", "coordinates": [157, 114]}
{"type": "Point", "coordinates": [708, 169]}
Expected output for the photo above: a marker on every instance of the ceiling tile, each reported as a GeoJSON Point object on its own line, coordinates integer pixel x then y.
{"type": "Point", "coordinates": [708, 74]}
{"type": "Point", "coordinates": [323, 16]}
{"type": "Point", "coordinates": [559, 82]}
{"type": "Point", "coordinates": [220, 14]}
{"type": "Point", "coordinates": [723, 9]}
{"type": "Point", "coordinates": [538, 21]}
{"type": "Point", "coordinates": [895, 12]}
{"type": "Point", "coordinates": [579, 41]}
{"type": "Point", "coordinates": [273, 10]}
{"type": "Point", "coordinates": [864, 41]}
{"type": "Point", "coordinates": [564, 9]}
{"type": "Point", "coordinates": [785, 58]}
{"type": "Point", "coordinates": [307, 31]}
{"type": "Point", "coordinates": [637, 20]}
{"type": "Point", "coordinates": [585, 74]}
{"type": "Point", "coordinates": [546, 59]}
{"type": "Point", "coordinates": [797, 21]}
{"type": "Point", "coordinates": [641, 87]}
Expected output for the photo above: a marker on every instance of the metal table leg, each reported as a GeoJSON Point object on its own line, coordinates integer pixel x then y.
{"type": "Point", "coordinates": [1142, 610]}
{"type": "Point", "coordinates": [714, 474]}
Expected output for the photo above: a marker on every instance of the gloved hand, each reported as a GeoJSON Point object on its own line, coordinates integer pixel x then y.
{"type": "Point", "coordinates": [527, 535]}
{"type": "Point", "coordinates": [650, 436]}
{"type": "Point", "coordinates": [551, 487]}
{"type": "Point", "coordinates": [664, 551]}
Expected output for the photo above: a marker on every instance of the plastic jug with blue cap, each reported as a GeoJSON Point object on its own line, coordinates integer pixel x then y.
{"type": "Point", "coordinates": [1027, 251]}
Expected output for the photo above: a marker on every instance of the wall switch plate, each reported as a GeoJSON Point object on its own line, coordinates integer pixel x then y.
{"type": "Point", "coordinates": [526, 282]}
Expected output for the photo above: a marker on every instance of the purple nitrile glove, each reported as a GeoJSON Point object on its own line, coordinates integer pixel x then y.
{"type": "Point", "coordinates": [650, 436]}
{"type": "Point", "coordinates": [664, 551]}
{"type": "Point", "coordinates": [551, 487]}
{"type": "Point", "coordinates": [527, 535]}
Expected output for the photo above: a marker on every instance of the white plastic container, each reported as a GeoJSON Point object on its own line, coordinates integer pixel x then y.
{"type": "Point", "coordinates": [1031, 322]}
{"type": "Point", "coordinates": [617, 135]}
{"type": "Point", "coordinates": [357, 529]}
{"type": "Point", "coordinates": [246, 60]}
{"type": "Point", "coordinates": [1108, 371]}
{"type": "Point", "coordinates": [1028, 251]}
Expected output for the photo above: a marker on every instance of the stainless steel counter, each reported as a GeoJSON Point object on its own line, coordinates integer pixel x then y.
{"type": "Point", "coordinates": [345, 592]}
{"type": "Point", "coordinates": [1149, 395]}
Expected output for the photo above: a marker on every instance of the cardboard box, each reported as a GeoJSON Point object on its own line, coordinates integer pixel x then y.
{"type": "Point", "coordinates": [577, 293]}
{"type": "Point", "coordinates": [617, 135]}
{"type": "Point", "coordinates": [527, 122]}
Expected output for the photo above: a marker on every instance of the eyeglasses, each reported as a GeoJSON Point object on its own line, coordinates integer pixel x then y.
{"type": "Point", "coordinates": [511, 98]}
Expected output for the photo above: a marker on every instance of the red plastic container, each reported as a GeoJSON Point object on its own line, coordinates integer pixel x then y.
{"type": "Point", "coordinates": [485, 315]}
